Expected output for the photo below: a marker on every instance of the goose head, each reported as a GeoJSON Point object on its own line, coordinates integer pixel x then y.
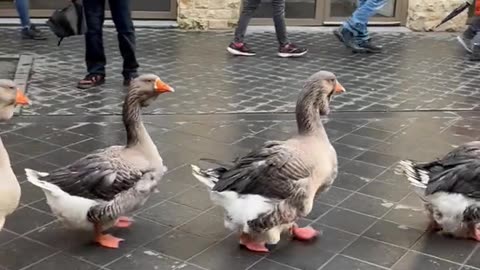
{"type": "Point", "coordinates": [148, 87]}
{"type": "Point", "coordinates": [320, 88]}
{"type": "Point", "coordinates": [10, 97]}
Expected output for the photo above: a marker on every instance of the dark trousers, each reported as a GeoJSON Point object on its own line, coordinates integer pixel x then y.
{"type": "Point", "coordinates": [249, 7]}
{"type": "Point", "coordinates": [473, 29]}
{"type": "Point", "coordinates": [95, 54]}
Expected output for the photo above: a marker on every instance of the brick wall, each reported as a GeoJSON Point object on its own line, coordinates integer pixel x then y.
{"type": "Point", "coordinates": [423, 15]}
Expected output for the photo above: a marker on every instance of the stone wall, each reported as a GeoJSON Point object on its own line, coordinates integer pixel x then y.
{"type": "Point", "coordinates": [207, 14]}
{"type": "Point", "coordinates": [423, 15]}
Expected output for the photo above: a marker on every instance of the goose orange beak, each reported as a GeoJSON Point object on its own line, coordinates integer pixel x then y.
{"type": "Point", "coordinates": [162, 87]}
{"type": "Point", "coordinates": [339, 88]}
{"type": "Point", "coordinates": [21, 99]}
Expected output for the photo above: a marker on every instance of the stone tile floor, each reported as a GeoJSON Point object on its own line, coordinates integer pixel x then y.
{"type": "Point", "coordinates": [370, 219]}
{"type": "Point", "coordinates": [419, 71]}
{"type": "Point", "coordinates": [223, 107]}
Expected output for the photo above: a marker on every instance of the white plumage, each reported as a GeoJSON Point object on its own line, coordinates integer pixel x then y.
{"type": "Point", "coordinates": [71, 210]}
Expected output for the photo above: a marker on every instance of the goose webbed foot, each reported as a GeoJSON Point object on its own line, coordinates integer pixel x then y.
{"type": "Point", "coordinates": [251, 245]}
{"type": "Point", "coordinates": [106, 240]}
{"type": "Point", "coordinates": [304, 234]}
{"type": "Point", "coordinates": [123, 222]}
{"type": "Point", "coordinates": [476, 232]}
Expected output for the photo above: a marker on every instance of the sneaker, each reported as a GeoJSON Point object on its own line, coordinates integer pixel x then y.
{"type": "Point", "coordinates": [475, 52]}
{"type": "Point", "coordinates": [91, 80]}
{"type": "Point", "coordinates": [344, 36]}
{"type": "Point", "coordinates": [465, 42]}
{"type": "Point", "coordinates": [242, 49]}
{"type": "Point", "coordinates": [128, 80]}
{"type": "Point", "coordinates": [366, 47]}
{"type": "Point", "coordinates": [291, 50]}
{"type": "Point", "coordinates": [32, 33]}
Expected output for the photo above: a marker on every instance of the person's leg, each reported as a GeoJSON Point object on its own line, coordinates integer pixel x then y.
{"type": "Point", "coordinates": [28, 30]}
{"type": "Point", "coordinates": [468, 35]}
{"type": "Point", "coordinates": [357, 23]}
{"type": "Point", "coordinates": [22, 7]}
{"type": "Point", "coordinates": [238, 47]}
{"type": "Point", "coordinates": [475, 47]}
{"type": "Point", "coordinates": [278, 10]}
{"type": "Point", "coordinates": [286, 49]}
{"type": "Point", "coordinates": [94, 51]}
{"type": "Point", "coordinates": [354, 31]}
{"type": "Point", "coordinates": [121, 16]}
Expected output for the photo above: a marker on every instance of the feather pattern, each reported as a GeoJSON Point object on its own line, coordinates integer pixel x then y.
{"type": "Point", "coordinates": [100, 175]}
{"type": "Point", "coordinates": [116, 180]}
{"type": "Point", "coordinates": [451, 188]}
{"type": "Point", "coordinates": [268, 189]}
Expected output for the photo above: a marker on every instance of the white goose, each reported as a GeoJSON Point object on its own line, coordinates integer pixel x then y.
{"type": "Point", "coordinates": [10, 191]}
{"type": "Point", "coordinates": [95, 191]}
{"type": "Point", "coordinates": [266, 191]}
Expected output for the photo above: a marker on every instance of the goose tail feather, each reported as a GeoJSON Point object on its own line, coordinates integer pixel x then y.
{"type": "Point", "coordinates": [417, 177]}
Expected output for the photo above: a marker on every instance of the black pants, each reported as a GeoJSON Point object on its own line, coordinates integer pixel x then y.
{"type": "Point", "coordinates": [249, 7]}
{"type": "Point", "coordinates": [95, 54]}
{"type": "Point", "coordinates": [473, 29]}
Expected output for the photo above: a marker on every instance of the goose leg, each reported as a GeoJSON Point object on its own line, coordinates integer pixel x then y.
{"type": "Point", "coordinates": [106, 240]}
{"type": "Point", "coordinates": [123, 222]}
{"type": "Point", "coordinates": [304, 234]}
{"type": "Point", "coordinates": [251, 245]}
{"type": "Point", "coordinates": [2, 222]}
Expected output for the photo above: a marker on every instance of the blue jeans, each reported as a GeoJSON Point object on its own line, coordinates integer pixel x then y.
{"type": "Point", "coordinates": [357, 24]}
{"type": "Point", "coordinates": [95, 54]}
{"type": "Point", "coordinates": [22, 10]}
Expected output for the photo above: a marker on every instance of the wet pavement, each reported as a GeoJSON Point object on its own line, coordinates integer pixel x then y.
{"type": "Point", "coordinates": [418, 100]}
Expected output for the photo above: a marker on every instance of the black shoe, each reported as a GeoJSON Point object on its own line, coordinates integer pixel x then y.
{"type": "Point", "coordinates": [291, 50]}
{"type": "Point", "coordinates": [240, 49]}
{"type": "Point", "coordinates": [91, 80]}
{"type": "Point", "coordinates": [475, 52]}
{"type": "Point", "coordinates": [32, 33]}
{"type": "Point", "coordinates": [344, 36]}
{"type": "Point", "coordinates": [465, 42]}
{"type": "Point", "coordinates": [128, 80]}
{"type": "Point", "coordinates": [366, 47]}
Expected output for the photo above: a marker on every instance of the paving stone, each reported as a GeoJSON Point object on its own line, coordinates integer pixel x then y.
{"type": "Point", "coordinates": [393, 109]}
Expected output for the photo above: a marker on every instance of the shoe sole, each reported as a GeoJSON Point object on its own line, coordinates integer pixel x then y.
{"type": "Point", "coordinates": [239, 53]}
{"type": "Point", "coordinates": [365, 51]}
{"type": "Point", "coordinates": [291, 55]}
{"type": "Point", "coordinates": [79, 86]}
{"type": "Point", "coordinates": [465, 46]}
{"type": "Point", "coordinates": [339, 36]}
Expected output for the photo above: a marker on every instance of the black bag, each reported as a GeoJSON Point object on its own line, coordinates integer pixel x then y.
{"type": "Point", "coordinates": [68, 21]}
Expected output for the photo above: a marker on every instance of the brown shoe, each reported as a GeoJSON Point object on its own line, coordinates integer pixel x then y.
{"type": "Point", "coordinates": [91, 80]}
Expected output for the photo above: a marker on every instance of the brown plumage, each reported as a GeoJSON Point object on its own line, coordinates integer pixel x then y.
{"type": "Point", "coordinates": [267, 190]}
{"type": "Point", "coordinates": [113, 181]}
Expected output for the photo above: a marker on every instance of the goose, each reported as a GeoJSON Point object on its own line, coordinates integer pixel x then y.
{"type": "Point", "coordinates": [10, 192]}
{"type": "Point", "coordinates": [450, 188]}
{"type": "Point", "coordinates": [264, 192]}
{"type": "Point", "coordinates": [96, 190]}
